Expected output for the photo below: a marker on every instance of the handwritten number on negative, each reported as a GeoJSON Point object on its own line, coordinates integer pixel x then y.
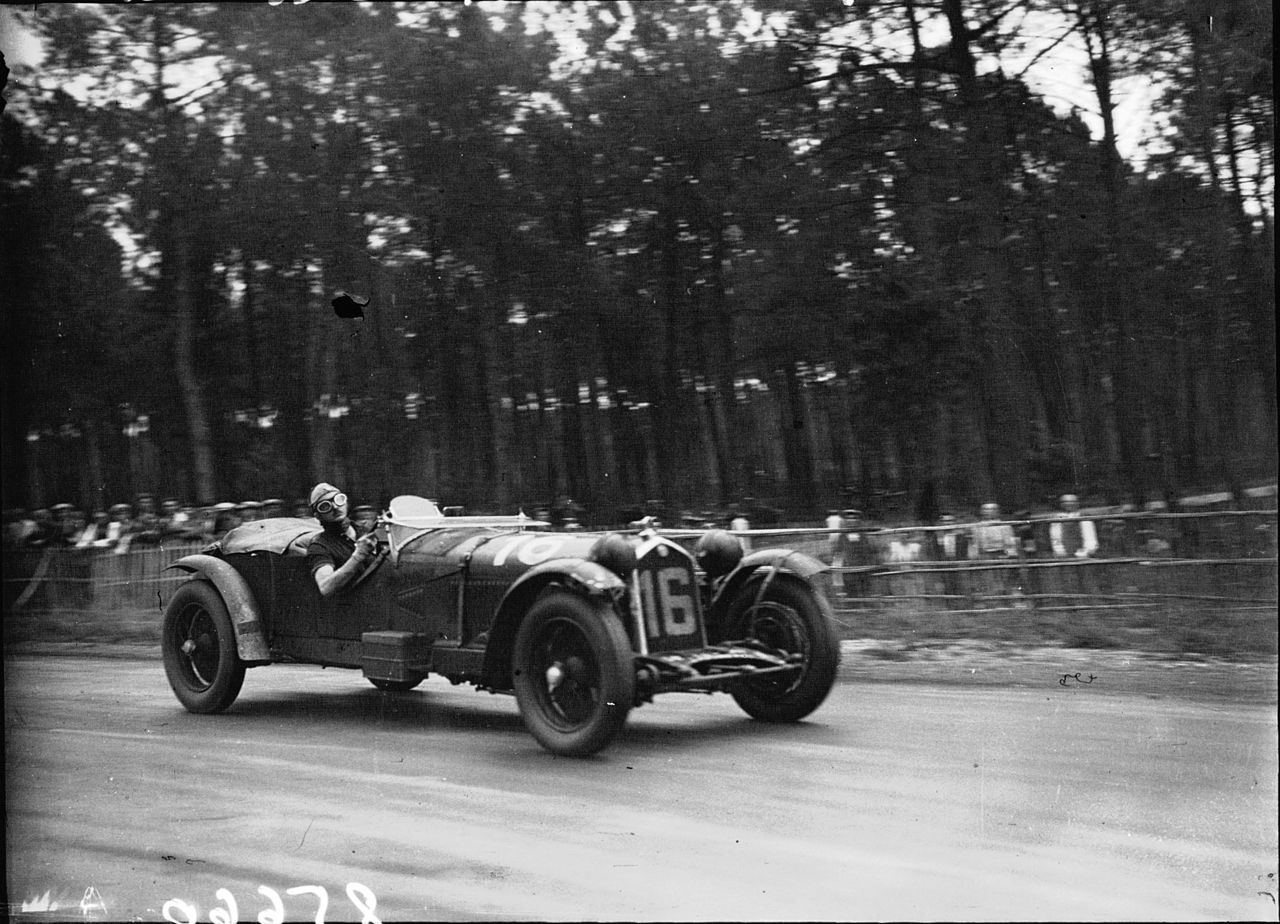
{"type": "Point", "coordinates": [1066, 678]}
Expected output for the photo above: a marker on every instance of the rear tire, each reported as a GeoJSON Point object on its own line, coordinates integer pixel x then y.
{"type": "Point", "coordinates": [794, 618]}
{"type": "Point", "coordinates": [573, 673]}
{"type": "Point", "coordinates": [198, 643]}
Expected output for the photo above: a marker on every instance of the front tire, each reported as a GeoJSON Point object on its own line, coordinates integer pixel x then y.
{"type": "Point", "coordinates": [794, 618]}
{"type": "Point", "coordinates": [573, 673]}
{"type": "Point", "coordinates": [198, 643]}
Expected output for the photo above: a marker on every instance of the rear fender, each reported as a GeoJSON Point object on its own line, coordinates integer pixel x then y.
{"type": "Point", "coordinates": [777, 561]}
{"type": "Point", "coordinates": [585, 578]}
{"type": "Point", "coordinates": [251, 642]}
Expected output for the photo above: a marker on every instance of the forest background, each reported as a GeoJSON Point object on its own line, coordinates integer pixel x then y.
{"type": "Point", "coordinates": [792, 256]}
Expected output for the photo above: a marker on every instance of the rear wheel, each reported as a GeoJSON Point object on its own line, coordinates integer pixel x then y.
{"type": "Point", "coordinates": [573, 673]}
{"type": "Point", "coordinates": [794, 618]}
{"type": "Point", "coordinates": [198, 644]}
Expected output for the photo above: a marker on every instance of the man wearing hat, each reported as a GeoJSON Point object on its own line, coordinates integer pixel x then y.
{"type": "Point", "coordinates": [951, 542]}
{"type": "Point", "coordinates": [364, 518]}
{"type": "Point", "coordinates": [1071, 536]}
{"type": "Point", "coordinates": [69, 522]}
{"type": "Point", "coordinates": [336, 556]}
{"type": "Point", "coordinates": [992, 539]}
{"type": "Point", "coordinates": [120, 526]}
{"type": "Point", "coordinates": [834, 522]}
{"type": "Point", "coordinates": [856, 552]}
{"type": "Point", "coordinates": [225, 517]}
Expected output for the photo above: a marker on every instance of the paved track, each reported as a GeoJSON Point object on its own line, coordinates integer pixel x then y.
{"type": "Point", "coordinates": [896, 801]}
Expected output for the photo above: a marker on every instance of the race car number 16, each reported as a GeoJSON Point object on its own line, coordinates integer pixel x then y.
{"type": "Point", "coordinates": [674, 599]}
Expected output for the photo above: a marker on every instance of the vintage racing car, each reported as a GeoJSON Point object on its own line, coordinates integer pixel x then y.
{"type": "Point", "coordinates": [581, 627]}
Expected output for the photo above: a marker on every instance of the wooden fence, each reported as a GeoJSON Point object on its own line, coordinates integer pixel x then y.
{"type": "Point", "coordinates": [1221, 557]}
{"type": "Point", "coordinates": [69, 579]}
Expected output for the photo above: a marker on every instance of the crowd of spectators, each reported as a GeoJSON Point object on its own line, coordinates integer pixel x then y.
{"type": "Point", "coordinates": [139, 524]}
{"type": "Point", "coordinates": [854, 539]}
{"type": "Point", "coordinates": [1070, 532]}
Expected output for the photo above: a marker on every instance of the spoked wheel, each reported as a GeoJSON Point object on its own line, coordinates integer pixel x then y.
{"type": "Point", "coordinates": [199, 648]}
{"type": "Point", "coordinates": [573, 674]}
{"type": "Point", "coordinates": [797, 620]}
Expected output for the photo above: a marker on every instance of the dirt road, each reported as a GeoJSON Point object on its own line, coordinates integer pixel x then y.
{"type": "Point", "coordinates": [1036, 800]}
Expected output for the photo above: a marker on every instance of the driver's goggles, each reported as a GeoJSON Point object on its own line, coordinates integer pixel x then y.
{"type": "Point", "coordinates": [329, 504]}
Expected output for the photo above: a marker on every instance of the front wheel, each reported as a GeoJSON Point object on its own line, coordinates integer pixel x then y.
{"type": "Point", "coordinates": [573, 673]}
{"type": "Point", "coordinates": [794, 618]}
{"type": "Point", "coordinates": [198, 644]}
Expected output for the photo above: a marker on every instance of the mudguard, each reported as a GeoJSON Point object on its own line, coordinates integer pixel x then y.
{"type": "Point", "coordinates": [783, 560]}
{"type": "Point", "coordinates": [251, 643]}
{"type": "Point", "coordinates": [583, 577]}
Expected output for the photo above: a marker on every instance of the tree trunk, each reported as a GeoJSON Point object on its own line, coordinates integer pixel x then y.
{"type": "Point", "coordinates": [184, 366]}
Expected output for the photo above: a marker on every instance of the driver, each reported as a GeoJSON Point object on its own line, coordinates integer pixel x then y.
{"type": "Point", "coordinates": [335, 556]}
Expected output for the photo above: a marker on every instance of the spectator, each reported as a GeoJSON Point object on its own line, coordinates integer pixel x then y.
{"type": "Point", "coordinates": [147, 525]}
{"type": "Point", "coordinates": [225, 518]}
{"type": "Point", "coordinates": [43, 531]}
{"type": "Point", "coordinates": [1155, 536]}
{"type": "Point", "coordinates": [249, 511]}
{"type": "Point", "coordinates": [1070, 535]}
{"type": "Point", "coordinates": [567, 514]}
{"type": "Point", "coordinates": [992, 539]}
{"type": "Point", "coordinates": [301, 508]}
{"type": "Point", "coordinates": [73, 525]}
{"type": "Point", "coordinates": [740, 524]}
{"type": "Point", "coordinates": [145, 505]}
{"type": "Point", "coordinates": [15, 527]}
{"type": "Point", "coordinates": [835, 550]}
{"type": "Point", "coordinates": [1025, 534]}
{"type": "Point", "coordinates": [856, 552]}
{"type": "Point", "coordinates": [176, 522]}
{"type": "Point", "coordinates": [364, 518]}
{"type": "Point", "coordinates": [120, 527]}
{"type": "Point", "coordinates": [94, 535]}
{"type": "Point", "coordinates": [951, 543]}
{"type": "Point", "coordinates": [68, 524]}
{"type": "Point", "coordinates": [272, 507]}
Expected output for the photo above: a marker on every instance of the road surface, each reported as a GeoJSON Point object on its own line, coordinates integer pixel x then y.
{"type": "Point", "coordinates": [1071, 802]}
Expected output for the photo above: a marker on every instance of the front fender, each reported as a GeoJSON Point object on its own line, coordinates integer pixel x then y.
{"type": "Point", "coordinates": [576, 574]}
{"type": "Point", "coordinates": [783, 560]}
{"type": "Point", "coordinates": [251, 642]}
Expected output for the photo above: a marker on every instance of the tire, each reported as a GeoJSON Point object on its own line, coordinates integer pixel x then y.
{"type": "Point", "coordinates": [573, 673]}
{"type": "Point", "coordinates": [395, 686]}
{"type": "Point", "coordinates": [199, 648]}
{"type": "Point", "coordinates": [795, 618]}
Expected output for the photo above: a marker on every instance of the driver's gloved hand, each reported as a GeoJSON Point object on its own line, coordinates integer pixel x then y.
{"type": "Point", "coordinates": [365, 547]}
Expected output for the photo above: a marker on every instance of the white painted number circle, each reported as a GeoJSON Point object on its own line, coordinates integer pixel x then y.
{"type": "Point", "coordinates": [529, 549]}
{"type": "Point", "coordinates": [540, 549]}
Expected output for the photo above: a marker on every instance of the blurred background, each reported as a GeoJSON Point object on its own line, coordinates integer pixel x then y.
{"type": "Point", "coordinates": [909, 256]}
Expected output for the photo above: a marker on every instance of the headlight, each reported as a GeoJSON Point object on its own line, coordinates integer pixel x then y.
{"type": "Point", "coordinates": [717, 553]}
{"type": "Point", "coordinates": [615, 552]}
